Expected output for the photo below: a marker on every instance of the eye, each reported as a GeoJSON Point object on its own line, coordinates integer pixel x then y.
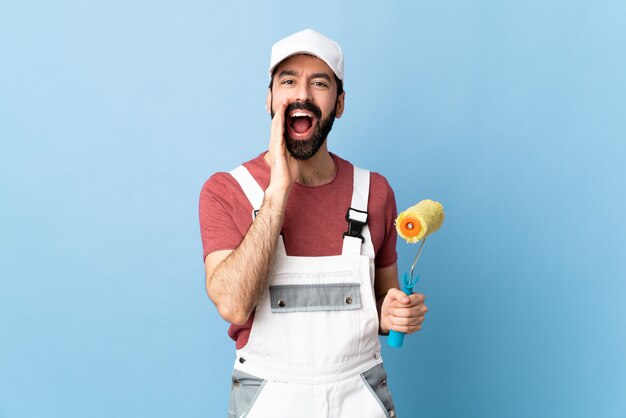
{"type": "Point", "coordinates": [319, 84]}
{"type": "Point", "coordinates": [287, 82]}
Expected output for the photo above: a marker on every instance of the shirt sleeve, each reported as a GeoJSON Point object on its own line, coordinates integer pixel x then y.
{"type": "Point", "coordinates": [218, 228]}
{"type": "Point", "coordinates": [387, 254]}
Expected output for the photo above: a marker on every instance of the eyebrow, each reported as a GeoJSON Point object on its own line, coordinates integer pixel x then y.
{"type": "Point", "coordinates": [284, 73]}
{"type": "Point", "coordinates": [292, 73]}
{"type": "Point", "coordinates": [321, 75]}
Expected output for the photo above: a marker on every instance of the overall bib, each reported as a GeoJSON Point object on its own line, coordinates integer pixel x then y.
{"type": "Point", "coordinates": [313, 350]}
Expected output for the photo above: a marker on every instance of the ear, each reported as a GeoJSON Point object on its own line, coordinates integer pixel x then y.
{"type": "Point", "coordinates": [340, 103]}
{"type": "Point", "coordinates": [268, 102]}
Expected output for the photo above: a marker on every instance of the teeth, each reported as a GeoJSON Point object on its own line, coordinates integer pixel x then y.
{"type": "Point", "coordinates": [299, 115]}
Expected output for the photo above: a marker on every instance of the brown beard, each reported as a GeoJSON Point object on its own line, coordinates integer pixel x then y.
{"type": "Point", "coordinates": [303, 149]}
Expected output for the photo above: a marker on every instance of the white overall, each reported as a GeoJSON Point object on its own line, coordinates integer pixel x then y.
{"type": "Point", "coordinates": [313, 351]}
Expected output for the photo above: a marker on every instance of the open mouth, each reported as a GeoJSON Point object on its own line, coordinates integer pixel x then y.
{"type": "Point", "coordinates": [300, 124]}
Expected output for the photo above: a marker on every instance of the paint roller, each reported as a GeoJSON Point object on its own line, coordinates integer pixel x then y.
{"type": "Point", "coordinates": [413, 225]}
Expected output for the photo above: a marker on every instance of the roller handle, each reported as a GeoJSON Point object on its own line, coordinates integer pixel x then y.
{"type": "Point", "coordinates": [396, 339]}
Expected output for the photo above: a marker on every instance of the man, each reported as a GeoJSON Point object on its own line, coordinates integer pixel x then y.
{"type": "Point", "coordinates": [292, 242]}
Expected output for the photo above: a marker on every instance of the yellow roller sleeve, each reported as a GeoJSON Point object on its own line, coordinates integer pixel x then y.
{"type": "Point", "coordinates": [419, 221]}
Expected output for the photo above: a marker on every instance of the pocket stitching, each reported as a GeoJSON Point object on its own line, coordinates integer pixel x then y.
{"type": "Point", "coordinates": [234, 411]}
{"type": "Point", "coordinates": [371, 389]}
{"type": "Point", "coordinates": [254, 398]}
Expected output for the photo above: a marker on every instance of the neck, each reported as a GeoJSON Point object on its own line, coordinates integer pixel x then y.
{"type": "Point", "coordinates": [317, 170]}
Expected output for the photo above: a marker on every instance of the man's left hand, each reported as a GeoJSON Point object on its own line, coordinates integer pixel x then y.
{"type": "Point", "coordinates": [401, 312]}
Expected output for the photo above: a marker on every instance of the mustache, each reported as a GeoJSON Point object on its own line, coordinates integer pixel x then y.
{"type": "Point", "coordinates": [304, 106]}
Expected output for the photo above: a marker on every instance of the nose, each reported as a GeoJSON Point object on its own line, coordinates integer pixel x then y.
{"type": "Point", "coordinates": [303, 93]}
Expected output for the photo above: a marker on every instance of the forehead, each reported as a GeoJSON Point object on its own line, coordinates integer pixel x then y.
{"type": "Point", "coordinates": [302, 64]}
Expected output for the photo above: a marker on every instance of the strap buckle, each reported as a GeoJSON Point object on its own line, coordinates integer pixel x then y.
{"type": "Point", "coordinates": [357, 219]}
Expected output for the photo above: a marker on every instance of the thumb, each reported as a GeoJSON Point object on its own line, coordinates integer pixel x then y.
{"type": "Point", "coordinates": [397, 294]}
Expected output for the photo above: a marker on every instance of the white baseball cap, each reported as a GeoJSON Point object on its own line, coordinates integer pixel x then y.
{"type": "Point", "coordinates": [311, 42]}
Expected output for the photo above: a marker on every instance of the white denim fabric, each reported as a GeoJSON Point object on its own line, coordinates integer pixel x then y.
{"type": "Point", "coordinates": [311, 361]}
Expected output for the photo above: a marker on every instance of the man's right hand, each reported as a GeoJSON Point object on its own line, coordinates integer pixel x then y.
{"type": "Point", "coordinates": [284, 169]}
{"type": "Point", "coordinates": [235, 280]}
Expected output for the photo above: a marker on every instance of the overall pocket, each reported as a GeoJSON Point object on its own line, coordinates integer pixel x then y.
{"type": "Point", "coordinates": [376, 381]}
{"type": "Point", "coordinates": [244, 390]}
{"type": "Point", "coordinates": [315, 297]}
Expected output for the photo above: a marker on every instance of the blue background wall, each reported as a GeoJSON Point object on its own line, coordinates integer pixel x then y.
{"type": "Point", "coordinates": [113, 114]}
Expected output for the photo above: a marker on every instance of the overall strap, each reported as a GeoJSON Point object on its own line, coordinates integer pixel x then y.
{"type": "Point", "coordinates": [357, 239]}
{"type": "Point", "coordinates": [254, 193]}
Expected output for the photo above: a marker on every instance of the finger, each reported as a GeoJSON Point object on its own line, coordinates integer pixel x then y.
{"type": "Point", "coordinates": [406, 329]}
{"type": "Point", "coordinates": [406, 322]}
{"type": "Point", "coordinates": [280, 111]}
{"type": "Point", "coordinates": [415, 299]}
{"type": "Point", "coordinates": [278, 122]}
{"type": "Point", "coordinates": [403, 312]}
